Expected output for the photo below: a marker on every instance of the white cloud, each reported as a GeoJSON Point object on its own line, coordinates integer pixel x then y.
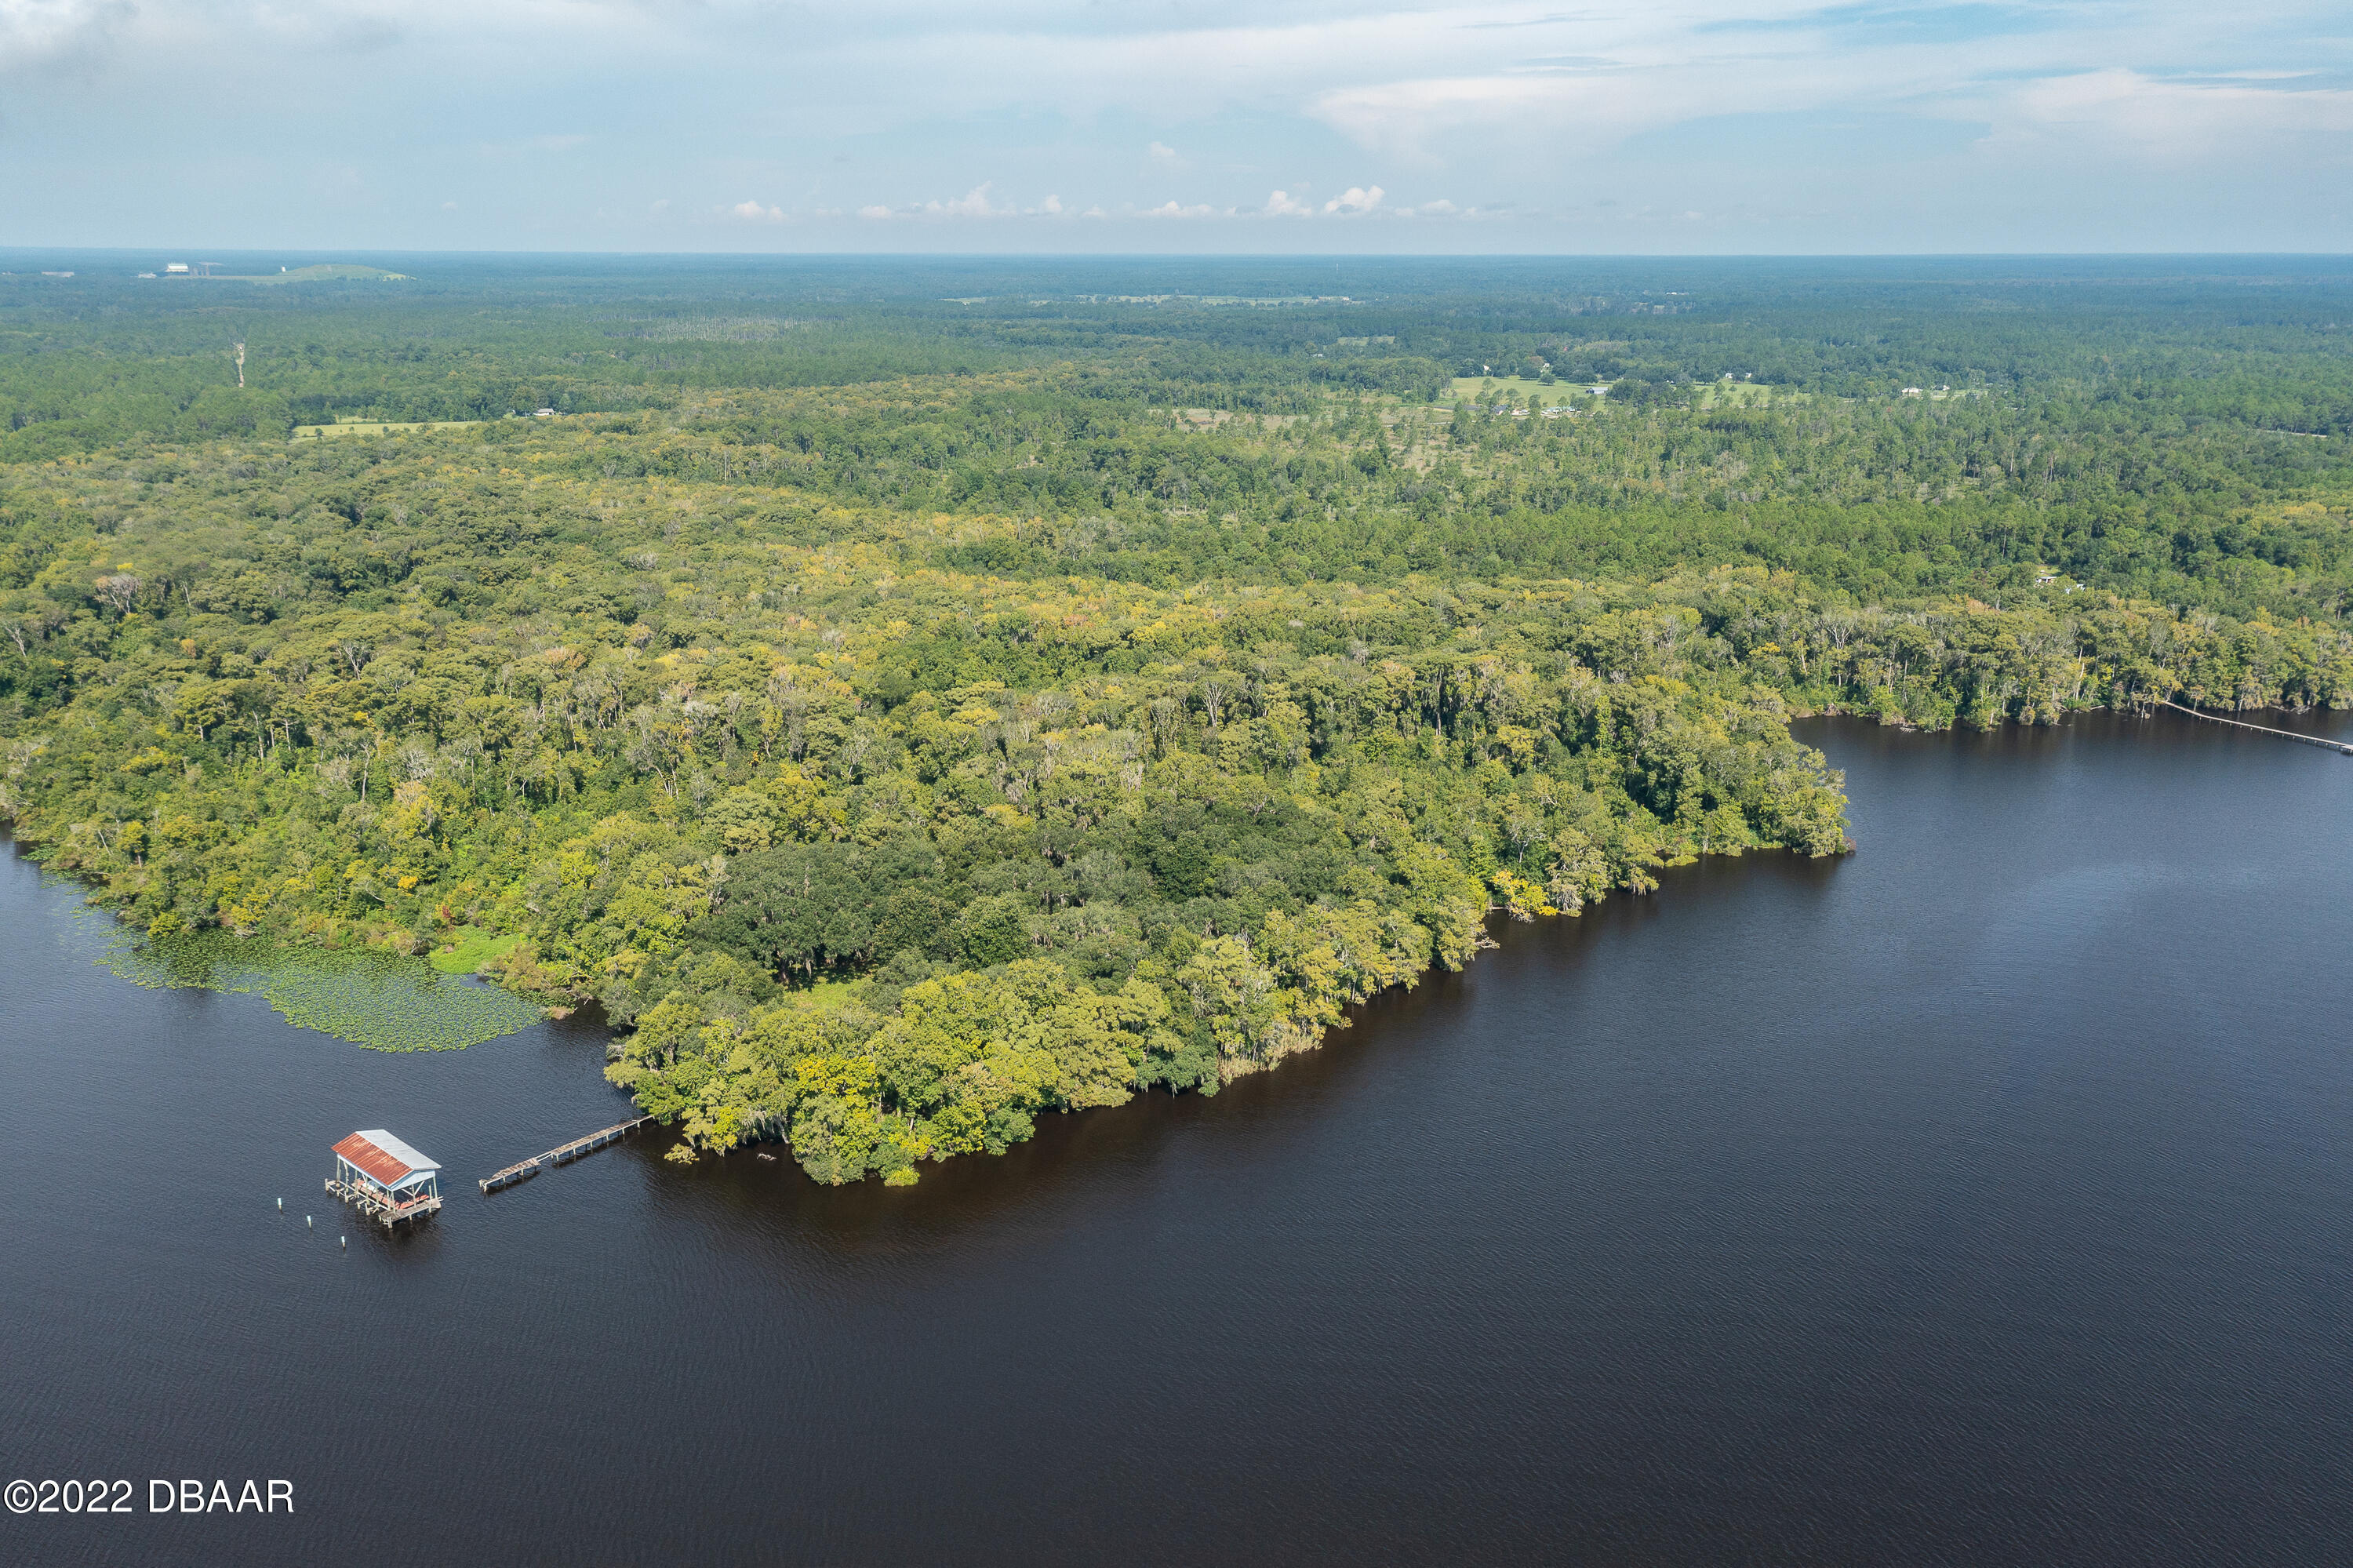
{"type": "Point", "coordinates": [2171, 125]}
{"type": "Point", "coordinates": [1406, 117]}
{"type": "Point", "coordinates": [59, 32]}
{"type": "Point", "coordinates": [2183, 121]}
{"type": "Point", "coordinates": [974, 203]}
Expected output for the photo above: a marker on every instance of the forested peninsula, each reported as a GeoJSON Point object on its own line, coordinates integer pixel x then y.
{"type": "Point", "coordinates": [903, 721]}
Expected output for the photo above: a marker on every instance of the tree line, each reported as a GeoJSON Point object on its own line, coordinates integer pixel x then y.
{"type": "Point", "coordinates": [894, 761]}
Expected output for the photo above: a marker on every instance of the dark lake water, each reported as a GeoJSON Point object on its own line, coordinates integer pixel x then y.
{"type": "Point", "coordinates": [1984, 1197]}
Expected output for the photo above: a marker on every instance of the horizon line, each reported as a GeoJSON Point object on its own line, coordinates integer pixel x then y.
{"type": "Point", "coordinates": [1452, 256]}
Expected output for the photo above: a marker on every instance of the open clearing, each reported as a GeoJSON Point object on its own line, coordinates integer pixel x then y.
{"type": "Point", "coordinates": [1744, 395]}
{"type": "Point", "coordinates": [326, 272]}
{"type": "Point", "coordinates": [1517, 391]}
{"type": "Point", "coordinates": [377, 427]}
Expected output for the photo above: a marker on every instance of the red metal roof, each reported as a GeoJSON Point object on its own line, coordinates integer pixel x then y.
{"type": "Point", "coordinates": [384, 1167]}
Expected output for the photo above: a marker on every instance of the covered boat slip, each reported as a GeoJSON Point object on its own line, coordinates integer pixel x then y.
{"type": "Point", "coordinates": [385, 1177]}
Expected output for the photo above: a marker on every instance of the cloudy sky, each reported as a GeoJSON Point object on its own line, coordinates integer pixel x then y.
{"type": "Point", "coordinates": [1178, 125]}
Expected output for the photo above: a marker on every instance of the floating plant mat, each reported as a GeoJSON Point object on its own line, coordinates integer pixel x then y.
{"type": "Point", "coordinates": [371, 999]}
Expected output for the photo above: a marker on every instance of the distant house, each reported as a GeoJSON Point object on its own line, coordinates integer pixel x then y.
{"type": "Point", "coordinates": [1911, 391]}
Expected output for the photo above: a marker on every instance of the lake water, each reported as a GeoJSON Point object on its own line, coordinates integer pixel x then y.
{"type": "Point", "coordinates": [1986, 1196]}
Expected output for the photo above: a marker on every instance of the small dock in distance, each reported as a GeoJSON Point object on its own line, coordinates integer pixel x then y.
{"type": "Point", "coordinates": [568, 1152]}
{"type": "Point", "coordinates": [2319, 740]}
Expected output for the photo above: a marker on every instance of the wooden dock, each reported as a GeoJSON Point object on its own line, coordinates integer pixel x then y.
{"type": "Point", "coordinates": [2321, 741]}
{"type": "Point", "coordinates": [564, 1155]}
{"type": "Point", "coordinates": [377, 1207]}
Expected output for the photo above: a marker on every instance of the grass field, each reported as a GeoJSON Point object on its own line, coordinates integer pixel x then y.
{"type": "Point", "coordinates": [1743, 394]}
{"type": "Point", "coordinates": [376, 428]}
{"type": "Point", "coordinates": [325, 273]}
{"type": "Point", "coordinates": [1518, 391]}
{"type": "Point", "coordinates": [1522, 393]}
{"type": "Point", "coordinates": [328, 272]}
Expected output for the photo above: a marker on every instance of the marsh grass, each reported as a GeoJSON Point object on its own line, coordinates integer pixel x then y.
{"type": "Point", "coordinates": [471, 948]}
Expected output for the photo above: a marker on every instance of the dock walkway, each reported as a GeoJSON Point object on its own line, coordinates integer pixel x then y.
{"type": "Point", "coordinates": [375, 1206]}
{"type": "Point", "coordinates": [566, 1153]}
{"type": "Point", "coordinates": [2322, 741]}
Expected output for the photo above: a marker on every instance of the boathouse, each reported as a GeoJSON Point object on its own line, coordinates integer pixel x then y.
{"type": "Point", "coordinates": [385, 1177]}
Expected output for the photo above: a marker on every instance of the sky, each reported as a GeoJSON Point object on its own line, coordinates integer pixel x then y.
{"type": "Point", "coordinates": [1177, 126]}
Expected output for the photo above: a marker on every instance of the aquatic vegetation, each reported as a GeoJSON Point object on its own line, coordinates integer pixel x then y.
{"type": "Point", "coordinates": [380, 1000]}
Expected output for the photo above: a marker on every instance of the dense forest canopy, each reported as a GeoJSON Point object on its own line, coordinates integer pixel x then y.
{"type": "Point", "coordinates": [911, 697]}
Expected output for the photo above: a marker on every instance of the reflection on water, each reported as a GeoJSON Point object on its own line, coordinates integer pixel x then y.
{"type": "Point", "coordinates": [1983, 1196]}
